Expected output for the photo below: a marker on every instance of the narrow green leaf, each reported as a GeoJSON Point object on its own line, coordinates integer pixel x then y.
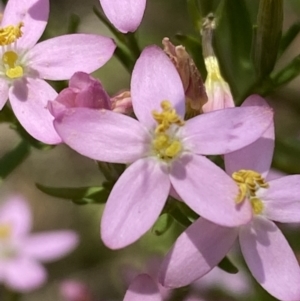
{"type": "Point", "coordinates": [163, 224]}
{"type": "Point", "coordinates": [74, 23]}
{"type": "Point", "coordinates": [13, 159]}
{"type": "Point", "coordinates": [228, 266]}
{"type": "Point", "coordinates": [194, 48]}
{"type": "Point", "coordinates": [124, 57]}
{"type": "Point", "coordinates": [232, 44]}
{"type": "Point", "coordinates": [287, 74]}
{"type": "Point", "coordinates": [79, 195]}
{"type": "Point", "coordinates": [267, 38]}
{"type": "Point", "coordinates": [194, 12]}
{"type": "Point", "coordinates": [288, 37]}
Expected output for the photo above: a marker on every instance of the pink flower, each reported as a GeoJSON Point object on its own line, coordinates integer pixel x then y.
{"type": "Point", "coordinates": [24, 64]}
{"type": "Point", "coordinates": [21, 252]}
{"type": "Point", "coordinates": [265, 249]}
{"type": "Point", "coordinates": [164, 150]}
{"type": "Point", "coordinates": [125, 15]}
{"type": "Point", "coordinates": [143, 288]}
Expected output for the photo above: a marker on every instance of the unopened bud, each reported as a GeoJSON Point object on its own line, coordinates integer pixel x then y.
{"type": "Point", "coordinates": [190, 77]}
{"type": "Point", "coordinates": [121, 103]}
{"type": "Point", "coordinates": [84, 91]}
{"type": "Point", "coordinates": [217, 89]}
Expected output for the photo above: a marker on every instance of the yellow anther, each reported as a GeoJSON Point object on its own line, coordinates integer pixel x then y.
{"type": "Point", "coordinates": [173, 149]}
{"type": "Point", "coordinates": [257, 205]}
{"type": "Point", "coordinates": [165, 145]}
{"type": "Point", "coordinates": [167, 117]}
{"type": "Point", "coordinates": [5, 231]}
{"type": "Point", "coordinates": [10, 34]}
{"type": "Point", "coordinates": [249, 182]}
{"type": "Point", "coordinates": [10, 58]}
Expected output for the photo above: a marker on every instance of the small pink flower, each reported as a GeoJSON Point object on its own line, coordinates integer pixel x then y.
{"type": "Point", "coordinates": [125, 15]}
{"type": "Point", "coordinates": [21, 252]}
{"type": "Point", "coordinates": [163, 150]}
{"type": "Point", "coordinates": [265, 249]}
{"type": "Point", "coordinates": [24, 64]}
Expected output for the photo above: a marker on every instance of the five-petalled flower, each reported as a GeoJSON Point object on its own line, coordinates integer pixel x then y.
{"type": "Point", "coordinates": [163, 150]}
{"type": "Point", "coordinates": [21, 252]}
{"type": "Point", "coordinates": [24, 64]}
{"type": "Point", "coordinates": [265, 249]}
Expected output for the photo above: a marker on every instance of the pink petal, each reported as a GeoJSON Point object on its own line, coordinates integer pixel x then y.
{"type": "Point", "coordinates": [143, 288]}
{"type": "Point", "coordinates": [134, 203]}
{"type": "Point", "coordinates": [282, 199]}
{"type": "Point", "coordinates": [3, 92]}
{"type": "Point", "coordinates": [16, 212]}
{"type": "Point", "coordinates": [125, 15]}
{"type": "Point", "coordinates": [60, 57]}
{"type": "Point", "coordinates": [224, 131]}
{"type": "Point", "coordinates": [154, 79]}
{"type": "Point", "coordinates": [49, 246]}
{"type": "Point", "coordinates": [103, 135]}
{"type": "Point", "coordinates": [258, 155]}
{"type": "Point", "coordinates": [196, 251]}
{"type": "Point", "coordinates": [271, 259]}
{"type": "Point", "coordinates": [209, 191]}
{"type": "Point", "coordinates": [23, 275]}
{"type": "Point", "coordinates": [28, 98]}
{"type": "Point", "coordinates": [33, 13]}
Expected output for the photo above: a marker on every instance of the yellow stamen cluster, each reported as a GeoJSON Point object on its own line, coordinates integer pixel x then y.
{"type": "Point", "coordinates": [10, 34]}
{"type": "Point", "coordinates": [5, 231]}
{"type": "Point", "coordinates": [164, 144]}
{"type": "Point", "coordinates": [10, 58]}
{"type": "Point", "coordinates": [249, 182]}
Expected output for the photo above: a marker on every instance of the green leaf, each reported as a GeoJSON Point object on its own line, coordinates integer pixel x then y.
{"type": "Point", "coordinates": [13, 159]}
{"type": "Point", "coordinates": [286, 156]}
{"type": "Point", "coordinates": [287, 74]}
{"type": "Point", "coordinates": [232, 44]}
{"type": "Point", "coordinates": [267, 36]}
{"type": "Point", "coordinates": [174, 209]}
{"type": "Point", "coordinates": [194, 48]}
{"type": "Point", "coordinates": [288, 37]}
{"type": "Point", "coordinates": [74, 23]}
{"type": "Point", "coordinates": [194, 13]}
{"type": "Point", "coordinates": [79, 195]}
{"type": "Point", "coordinates": [228, 266]}
{"type": "Point", "coordinates": [163, 224]}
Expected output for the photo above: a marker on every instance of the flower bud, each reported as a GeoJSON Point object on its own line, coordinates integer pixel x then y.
{"type": "Point", "coordinates": [121, 103]}
{"type": "Point", "coordinates": [190, 77]}
{"type": "Point", "coordinates": [83, 91]}
{"type": "Point", "coordinates": [72, 290]}
{"type": "Point", "coordinates": [217, 89]}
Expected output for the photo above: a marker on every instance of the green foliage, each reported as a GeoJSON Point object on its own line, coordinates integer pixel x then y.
{"type": "Point", "coordinates": [80, 195]}
{"type": "Point", "coordinates": [228, 266]}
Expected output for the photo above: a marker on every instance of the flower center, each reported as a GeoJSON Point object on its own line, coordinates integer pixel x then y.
{"type": "Point", "coordinates": [249, 182]}
{"type": "Point", "coordinates": [165, 144]}
{"type": "Point", "coordinates": [9, 35]}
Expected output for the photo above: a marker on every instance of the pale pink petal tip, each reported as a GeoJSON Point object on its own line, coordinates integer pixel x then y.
{"type": "Point", "coordinates": [131, 210]}
{"type": "Point", "coordinates": [49, 246]}
{"type": "Point", "coordinates": [73, 290]}
{"type": "Point", "coordinates": [125, 15]}
{"type": "Point", "coordinates": [155, 79]}
{"type": "Point", "coordinates": [197, 250]}
{"type": "Point", "coordinates": [143, 288]}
